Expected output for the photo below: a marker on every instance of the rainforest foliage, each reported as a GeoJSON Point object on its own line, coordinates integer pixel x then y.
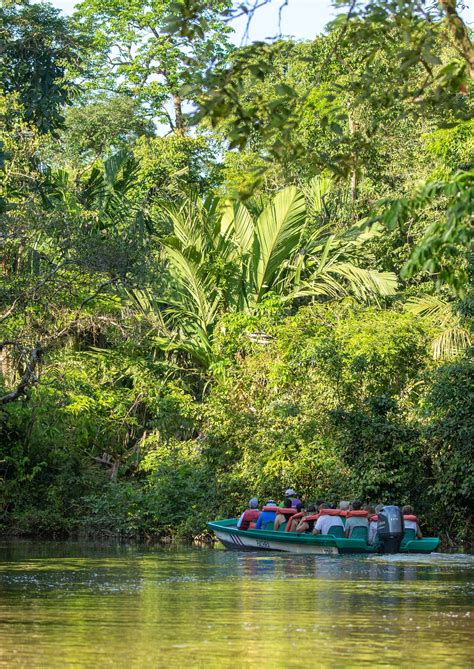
{"type": "Point", "coordinates": [225, 271]}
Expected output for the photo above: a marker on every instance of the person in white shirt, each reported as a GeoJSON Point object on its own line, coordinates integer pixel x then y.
{"type": "Point", "coordinates": [325, 522]}
{"type": "Point", "coordinates": [373, 524]}
{"type": "Point", "coordinates": [358, 520]}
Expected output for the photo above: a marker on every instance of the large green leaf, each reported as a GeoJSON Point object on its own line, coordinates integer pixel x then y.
{"type": "Point", "coordinates": [316, 192]}
{"type": "Point", "coordinates": [186, 274]}
{"type": "Point", "coordinates": [277, 236]}
{"type": "Point", "coordinates": [237, 224]}
{"type": "Point", "coordinates": [366, 283]}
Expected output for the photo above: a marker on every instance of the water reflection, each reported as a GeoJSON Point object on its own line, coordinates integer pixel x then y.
{"type": "Point", "coordinates": [87, 606]}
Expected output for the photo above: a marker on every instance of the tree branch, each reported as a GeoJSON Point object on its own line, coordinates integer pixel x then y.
{"type": "Point", "coordinates": [459, 33]}
{"type": "Point", "coordinates": [28, 376]}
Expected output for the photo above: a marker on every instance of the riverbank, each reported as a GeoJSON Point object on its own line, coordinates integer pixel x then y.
{"type": "Point", "coordinates": [204, 539]}
{"type": "Point", "coordinates": [342, 402]}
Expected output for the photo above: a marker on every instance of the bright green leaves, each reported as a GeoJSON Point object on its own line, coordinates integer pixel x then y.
{"type": "Point", "coordinates": [222, 258]}
{"type": "Point", "coordinates": [237, 223]}
{"type": "Point", "coordinates": [441, 251]}
{"type": "Point", "coordinates": [277, 235]}
{"type": "Point", "coordinates": [136, 55]}
{"type": "Point", "coordinates": [38, 49]}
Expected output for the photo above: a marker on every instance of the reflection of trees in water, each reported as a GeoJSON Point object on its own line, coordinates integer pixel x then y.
{"type": "Point", "coordinates": [220, 609]}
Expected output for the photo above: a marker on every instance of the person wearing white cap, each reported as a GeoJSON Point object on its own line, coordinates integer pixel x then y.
{"type": "Point", "coordinates": [292, 495]}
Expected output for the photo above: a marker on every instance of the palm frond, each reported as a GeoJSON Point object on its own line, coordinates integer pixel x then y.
{"type": "Point", "coordinates": [277, 235]}
{"type": "Point", "coordinates": [451, 342]}
{"type": "Point", "coordinates": [454, 338]}
{"type": "Point", "coordinates": [366, 283]}
{"type": "Point", "coordinates": [316, 192]}
{"type": "Point", "coordinates": [193, 285]}
{"type": "Point", "coordinates": [237, 224]}
{"type": "Point", "coordinates": [432, 307]}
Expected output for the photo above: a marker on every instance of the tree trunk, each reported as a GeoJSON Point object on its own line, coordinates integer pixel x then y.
{"type": "Point", "coordinates": [459, 33]}
{"type": "Point", "coordinates": [354, 159]}
{"type": "Point", "coordinates": [179, 125]}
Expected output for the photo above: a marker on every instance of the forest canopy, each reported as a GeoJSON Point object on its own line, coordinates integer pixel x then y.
{"type": "Point", "coordinates": [226, 270]}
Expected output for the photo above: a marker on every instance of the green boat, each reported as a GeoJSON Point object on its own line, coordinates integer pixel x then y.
{"type": "Point", "coordinates": [232, 538]}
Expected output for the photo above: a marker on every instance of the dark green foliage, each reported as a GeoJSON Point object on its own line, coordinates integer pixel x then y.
{"type": "Point", "coordinates": [450, 412]}
{"type": "Point", "coordinates": [292, 402]}
{"type": "Point", "coordinates": [381, 451]}
{"type": "Point", "coordinates": [167, 351]}
{"type": "Point", "coordinates": [37, 47]}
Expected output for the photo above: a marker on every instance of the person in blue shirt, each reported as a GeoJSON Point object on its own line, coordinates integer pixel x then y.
{"type": "Point", "coordinates": [266, 516]}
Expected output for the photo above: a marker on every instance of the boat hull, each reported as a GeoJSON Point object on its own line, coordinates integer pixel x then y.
{"type": "Point", "coordinates": [233, 541]}
{"type": "Point", "coordinates": [232, 538]}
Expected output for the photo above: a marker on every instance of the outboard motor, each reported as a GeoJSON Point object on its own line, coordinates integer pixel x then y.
{"type": "Point", "coordinates": [390, 529]}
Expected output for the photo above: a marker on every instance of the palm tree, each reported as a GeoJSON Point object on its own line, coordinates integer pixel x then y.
{"type": "Point", "coordinates": [222, 258]}
{"type": "Point", "coordinates": [452, 336]}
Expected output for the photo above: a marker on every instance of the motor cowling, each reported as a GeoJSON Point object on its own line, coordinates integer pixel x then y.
{"type": "Point", "coordinates": [390, 529]}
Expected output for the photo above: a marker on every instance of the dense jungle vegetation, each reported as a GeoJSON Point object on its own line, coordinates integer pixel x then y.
{"type": "Point", "coordinates": [230, 270]}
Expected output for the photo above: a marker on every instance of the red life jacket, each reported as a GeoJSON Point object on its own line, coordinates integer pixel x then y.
{"type": "Point", "coordinates": [283, 510]}
{"type": "Point", "coordinates": [250, 515]}
{"type": "Point", "coordinates": [410, 517]}
{"type": "Point", "coordinates": [373, 519]}
{"type": "Point", "coordinates": [330, 512]}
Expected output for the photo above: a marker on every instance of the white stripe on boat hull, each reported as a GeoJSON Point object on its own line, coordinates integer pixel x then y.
{"type": "Point", "coordinates": [273, 545]}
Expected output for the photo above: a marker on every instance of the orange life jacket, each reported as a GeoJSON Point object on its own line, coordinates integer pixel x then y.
{"type": "Point", "coordinates": [360, 513]}
{"type": "Point", "coordinates": [283, 510]}
{"type": "Point", "coordinates": [330, 512]}
{"type": "Point", "coordinates": [295, 516]}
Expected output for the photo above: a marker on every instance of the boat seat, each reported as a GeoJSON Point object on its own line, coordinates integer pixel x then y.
{"type": "Point", "coordinates": [282, 527]}
{"type": "Point", "coordinates": [360, 533]}
{"type": "Point", "coordinates": [269, 525]}
{"type": "Point", "coordinates": [336, 531]}
{"type": "Point", "coordinates": [408, 535]}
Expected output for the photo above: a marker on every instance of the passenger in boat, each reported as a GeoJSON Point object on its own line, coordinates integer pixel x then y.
{"type": "Point", "coordinates": [373, 523]}
{"type": "Point", "coordinates": [291, 494]}
{"type": "Point", "coordinates": [293, 521]}
{"type": "Point", "coordinates": [370, 511]}
{"type": "Point", "coordinates": [344, 506]}
{"type": "Point", "coordinates": [250, 515]}
{"type": "Point", "coordinates": [356, 520]}
{"type": "Point", "coordinates": [324, 522]}
{"type": "Point", "coordinates": [409, 520]}
{"type": "Point", "coordinates": [280, 517]}
{"type": "Point", "coordinates": [266, 516]}
{"type": "Point", "coordinates": [306, 523]}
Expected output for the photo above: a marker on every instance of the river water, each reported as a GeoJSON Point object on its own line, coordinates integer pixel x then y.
{"type": "Point", "coordinates": [86, 605]}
